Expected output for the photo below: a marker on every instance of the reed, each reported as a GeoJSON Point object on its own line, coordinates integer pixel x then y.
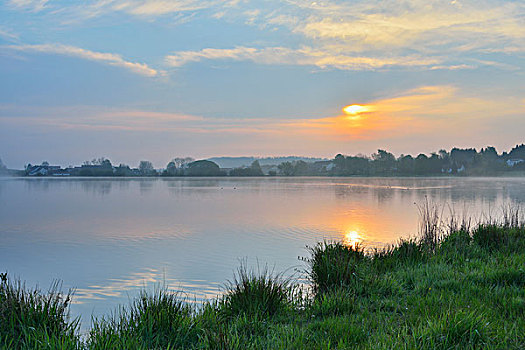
{"type": "Point", "coordinates": [30, 318]}
{"type": "Point", "coordinates": [260, 292]}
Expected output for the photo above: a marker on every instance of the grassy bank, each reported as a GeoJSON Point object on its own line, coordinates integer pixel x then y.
{"type": "Point", "coordinates": [461, 289]}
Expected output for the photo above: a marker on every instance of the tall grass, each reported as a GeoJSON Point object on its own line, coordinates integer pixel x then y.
{"type": "Point", "coordinates": [430, 222]}
{"type": "Point", "coordinates": [30, 318]}
{"type": "Point", "coordinates": [158, 320]}
{"type": "Point", "coordinates": [334, 265]}
{"type": "Point", "coordinates": [262, 293]}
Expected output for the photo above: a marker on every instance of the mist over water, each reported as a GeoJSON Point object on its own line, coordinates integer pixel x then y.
{"type": "Point", "coordinates": [108, 238]}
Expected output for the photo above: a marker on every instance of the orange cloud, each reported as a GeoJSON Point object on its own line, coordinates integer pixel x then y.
{"type": "Point", "coordinates": [421, 110]}
{"type": "Point", "coordinates": [428, 110]}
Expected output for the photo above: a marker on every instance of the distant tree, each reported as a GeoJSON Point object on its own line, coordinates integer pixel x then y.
{"type": "Point", "coordinates": [45, 163]}
{"type": "Point", "coordinates": [146, 168]}
{"type": "Point", "coordinates": [421, 164]}
{"type": "Point", "coordinates": [252, 170]}
{"type": "Point", "coordinates": [384, 162]}
{"type": "Point", "coordinates": [171, 169]}
{"type": "Point", "coordinates": [203, 168]}
{"type": "Point", "coordinates": [106, 164]}
{"type": "Point", "coordinates": [123, 170]}
{"type": "Point", "coordinates": [98, 162]}
{"type": "Point", "coordinates": [435, 164]}
{"type": "Point", "coordinates": [300, 168]}
{"type": "Point", "coordinates": [286, 168]}
{"type": "Point", "coordinates": [517, 152]}
{"type": "Point", "coordinates": [176, 165]}
{"type": "Point", "coordinates": [463, 156]}
{"type": "Point", "coordinates": [489, 153]}
{"type": "Point", "coordinates": [180, 162]}
{"type": "Point", "coordinates": [405, 164]}
{"type": "Point", "coordinates": [256, 168]}
{"type": "Point", "coordinates": [351, 165]}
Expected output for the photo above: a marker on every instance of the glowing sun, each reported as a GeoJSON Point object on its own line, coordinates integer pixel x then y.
{"type": "Point", "coordinates": [355, 109]}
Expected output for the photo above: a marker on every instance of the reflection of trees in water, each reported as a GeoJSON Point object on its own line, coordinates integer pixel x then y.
{"type": "Point", "coordinates": [42, 185]}
{"type": "Point", "coordinates": [206, 182]}
{"type": "Point", "coordinates": [178, 185]}
{"type": "Point", "coordinates": [515, 191]}
{"type": "Point", "coordinates": [384, 195]}
{"type": "Point", "coordinates": [342, 191]}
{"type": "Point", "coordinates": [146, 185]}
{"type": "Point", "coordinates": [96, 186]}
{"type": "Point", "coordinates": [123, 184]}
{"type": "Point", "coordinates": [480, 195]}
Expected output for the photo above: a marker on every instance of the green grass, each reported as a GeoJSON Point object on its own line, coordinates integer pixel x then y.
{"type": "Point", "coordinates": [158, 320]}
{"type": "Point", "coordinates": [460, 290]}
{"type": "Point", "coordinates": [32, 319]}
{"type": "Point", "coordinates": [259, 293]}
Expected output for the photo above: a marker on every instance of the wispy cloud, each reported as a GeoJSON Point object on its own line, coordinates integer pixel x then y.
{"type": "Point", "coordinates": [348, 35]}
{"type": "Point", "coordinates": [425, 110]}
{"type": "Point", "coordinates": [32, 5]}
{"type": "Point", "coordinates": [156, 7]}
{"type": "Point", "coordinates": [377, 34]}
{"type": "Point", "coordinates": [8, 35]}
{"type": "Point", "coordinates": [411, 24]}
{"type": "Point", "coordinates": [305, 56]}
{"type": "Point", "coordinates": [77, 11]}
{"type": "Point", "coordinates": [102, 57]}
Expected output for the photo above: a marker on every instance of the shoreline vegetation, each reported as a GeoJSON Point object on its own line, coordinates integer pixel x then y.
{"type": "Point", "coordinates": [456, 162]}
{"type": "Point", "coordinates": [458, 285]}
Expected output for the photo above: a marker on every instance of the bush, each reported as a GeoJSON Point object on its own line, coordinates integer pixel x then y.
{"type": "Point", "coordinates": [263, 294]}
{"type": "Point", "coordinates": [334, 265]}
{"type": "Point", "coordinates": [406, 252]}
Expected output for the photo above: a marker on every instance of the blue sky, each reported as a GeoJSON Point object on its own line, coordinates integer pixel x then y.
{"type": "Point", "coordinates": [135, 79]}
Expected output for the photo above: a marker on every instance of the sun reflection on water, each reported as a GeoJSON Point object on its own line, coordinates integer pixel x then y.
{"type": "Point", "coordinates": [352, 238]}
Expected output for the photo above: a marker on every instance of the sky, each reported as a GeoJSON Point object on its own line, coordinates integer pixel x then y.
{"type": "Point", "coordinates": [135, 80]}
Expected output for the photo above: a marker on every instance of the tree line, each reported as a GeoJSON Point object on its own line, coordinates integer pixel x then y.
{"type": "Point", "coordinates": [467, 161]}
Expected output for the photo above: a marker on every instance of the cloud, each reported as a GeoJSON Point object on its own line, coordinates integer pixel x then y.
{"type": "Point", "coordinates": [375, 33]}
{"type": "Point", "coordinates": [406, 24]}
{"type": "Point", "coordinates": [364, 35]}
{"type": "Point", "coordinates": [32, 5]}
{"type": "Point", "coordinates": [8, 35]}
{"type": "Point", "coordinates": [306, 56]}
{"type": "Point", "coordinates": [418, 120]}
{"type": "Point", "coordinates": [157, 7]}
{"type": "Point", "coordinates": [103, 57]}
{"type": "Point", "coordinates": [427, 110]}
{"type": "Point", "coordinates": [150, 9]}
{"type": "Point", "coordinates": [347, 35]}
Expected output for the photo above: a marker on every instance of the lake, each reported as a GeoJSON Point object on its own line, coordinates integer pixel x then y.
{"type": "Point", "coordinates": [110, 237]}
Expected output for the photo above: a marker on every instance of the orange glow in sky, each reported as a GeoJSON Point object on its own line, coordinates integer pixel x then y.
{"type": "Point", "coordinates": [355, 109]}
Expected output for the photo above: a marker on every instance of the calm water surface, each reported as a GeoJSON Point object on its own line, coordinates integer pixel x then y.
{"type": "Point", "coordinates": [108, 238]}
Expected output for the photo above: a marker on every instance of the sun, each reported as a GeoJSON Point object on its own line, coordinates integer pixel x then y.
{"type": "Point", "coordinates": [352, 238]}
{"type": "Point", "coordinates": [355, 109]}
